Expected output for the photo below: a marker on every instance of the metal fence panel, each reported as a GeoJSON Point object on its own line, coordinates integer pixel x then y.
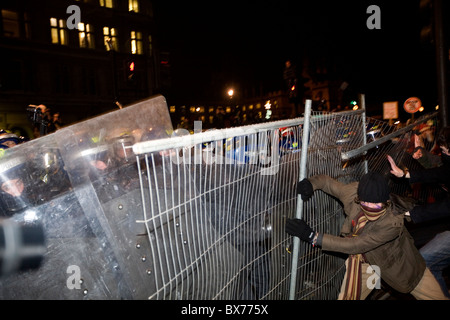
{"type": "Point", "coordinates": [189, 216]}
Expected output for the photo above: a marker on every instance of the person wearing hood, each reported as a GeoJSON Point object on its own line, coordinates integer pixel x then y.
{"type": "Point", "coordinates": [373, 235]}
{"type": "Point", "coordinates": [437, 251]}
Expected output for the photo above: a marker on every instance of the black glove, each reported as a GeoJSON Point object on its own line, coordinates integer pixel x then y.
{"type": "Point", "coordinates": [305, 188]}
{"type": "Point", "coordinates": [299, 228]}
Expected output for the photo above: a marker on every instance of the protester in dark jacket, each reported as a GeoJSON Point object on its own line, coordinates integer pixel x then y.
{"type": "Point", "coordinates": [373, 233]}
{"type": "Point", "coordinates": [437, 251]}
{"type": "Point", "coordinates": [439, 175]}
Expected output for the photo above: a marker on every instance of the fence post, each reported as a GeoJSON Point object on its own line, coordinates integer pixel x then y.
{"type": "Point", "coordinates": [299, 213]}
{"type": "Point", "coordinates": [362, 101]}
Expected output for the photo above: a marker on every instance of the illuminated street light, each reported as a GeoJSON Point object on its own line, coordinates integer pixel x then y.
{"type": "Point", "coordinates": [231, 93]}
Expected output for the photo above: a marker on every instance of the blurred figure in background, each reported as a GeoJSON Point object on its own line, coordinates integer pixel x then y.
{"type": "Point", "coordinates": [437, 251]}
{"type": "Point", "coordinates": [13, 179]}
{"type": "Point", "coordinates": [8, 140]}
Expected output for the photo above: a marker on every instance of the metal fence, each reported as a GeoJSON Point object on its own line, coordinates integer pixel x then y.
{"type": "Point", "coordinates": [198, 216]}
{"type": "Point", "coordinates": [215, 205]}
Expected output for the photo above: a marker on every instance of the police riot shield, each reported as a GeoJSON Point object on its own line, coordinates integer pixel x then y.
{"type": "Point", "coordinates": [81, 185]}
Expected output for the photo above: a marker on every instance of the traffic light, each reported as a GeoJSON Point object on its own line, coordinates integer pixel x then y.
{"type": "Point", "coordinates": [131, 67]}
{"type": "Point", "coordinates": [354, 105]}
{"type": "Point", "coordinates": [293, 93]}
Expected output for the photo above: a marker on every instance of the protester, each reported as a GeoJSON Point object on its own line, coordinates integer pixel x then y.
{"type": "Point", "coordinates": [439, 174]}
{"type": "Point", "coordinates": [373, 233]}
{"type": "Point", "coordinates": [55, 123]}
{"type": "Point", "coordinates": [437, 251]}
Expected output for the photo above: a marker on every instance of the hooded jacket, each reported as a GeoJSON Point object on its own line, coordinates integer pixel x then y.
{"type": "Point", "coordinates": [385, 242]}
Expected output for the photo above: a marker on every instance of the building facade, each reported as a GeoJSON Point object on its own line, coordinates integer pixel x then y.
{"type": "Point", "coordinates": [233, 112]}
{"type": "Point", "coordinates": [79, 58]}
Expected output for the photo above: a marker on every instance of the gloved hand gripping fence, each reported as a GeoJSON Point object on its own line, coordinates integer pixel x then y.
{"type": "Point", "coordinates": [305, 189]}
{"type": "Point", "coordinates": [299, 228]}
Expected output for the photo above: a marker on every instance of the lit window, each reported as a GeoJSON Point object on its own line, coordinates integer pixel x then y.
{"type": "Point", "coordinates": [10, 24]}
{"type": "Point", "coordinates": [86, 35]}
{"type": "Point", "coordinates": [133, 5]}
{"type": "Point", "coordinates": [58, 31]}
{"type": "Point", "coordinates": [106, 3]}
{"type": "Point", "coordinates": [136, 42]}
{"type": "Point", "coordinates": [110, 38]}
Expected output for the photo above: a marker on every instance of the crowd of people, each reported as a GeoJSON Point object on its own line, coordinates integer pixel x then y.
{"type": "Point", "coordinates": [17, 171]}
{"type": "Point", "coordinates": [374, 232]}
{"type": "Point", "coordinates": [42, 121]}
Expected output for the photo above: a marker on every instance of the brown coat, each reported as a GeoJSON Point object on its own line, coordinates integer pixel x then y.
{"type": "Point", "coordinates": [385, 242]}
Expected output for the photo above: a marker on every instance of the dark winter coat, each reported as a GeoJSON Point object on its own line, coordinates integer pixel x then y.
{"type": "Point", "coordinates": [438, 175]}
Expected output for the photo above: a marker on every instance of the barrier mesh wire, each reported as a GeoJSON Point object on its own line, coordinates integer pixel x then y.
{"type": "Point", "coordinates": [215, 211]}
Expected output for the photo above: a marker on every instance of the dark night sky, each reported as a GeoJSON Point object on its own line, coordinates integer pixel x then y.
{"type": "Point", "coordinates": [245, 43]}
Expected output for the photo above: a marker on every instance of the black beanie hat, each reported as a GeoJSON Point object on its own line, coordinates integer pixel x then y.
{"type": "Point", "coordinates": [373, 187]}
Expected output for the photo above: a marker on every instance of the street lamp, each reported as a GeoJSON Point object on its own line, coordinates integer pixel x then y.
{"type": "Point", "coordinates": [230, 93]}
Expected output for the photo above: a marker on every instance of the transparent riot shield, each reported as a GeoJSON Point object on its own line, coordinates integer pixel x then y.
{"type": "Point", "coordinates": [81, 184]}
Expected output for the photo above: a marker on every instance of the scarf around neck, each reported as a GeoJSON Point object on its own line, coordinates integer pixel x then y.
{"type": "Point", "coordinates": [353, 280]}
